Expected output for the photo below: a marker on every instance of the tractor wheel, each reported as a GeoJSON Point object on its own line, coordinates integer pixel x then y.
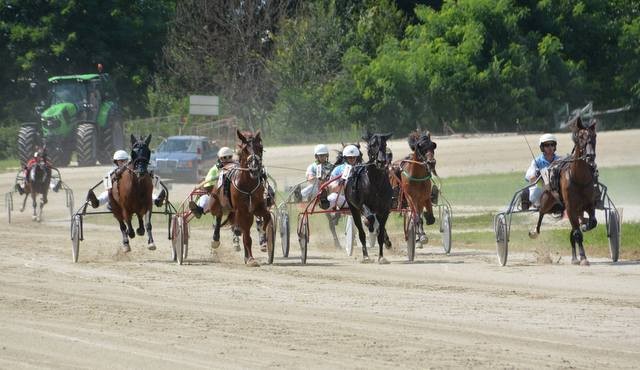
{"type": "Point", "coordinates": [27, 141]}
{"type": "Point", "coordinates": [86, 144]}
{"type": "Point", "coordinates": [111, 139]}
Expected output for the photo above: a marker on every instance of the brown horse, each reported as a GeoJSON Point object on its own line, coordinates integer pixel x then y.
{"type": "Point", "coordinates": [132, 193]}
{"type": "Point", "coordinates": [246, 191]}
{"type": "Point", "coordinates": [416, 172]}
{"type": "Point", "coordinates": [577, 188]}
{"type": "Point", "coordinates": [36, 181]}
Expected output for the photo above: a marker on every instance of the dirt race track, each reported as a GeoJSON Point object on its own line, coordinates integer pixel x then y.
{"type": "Point", "coordinates": [142, 311]}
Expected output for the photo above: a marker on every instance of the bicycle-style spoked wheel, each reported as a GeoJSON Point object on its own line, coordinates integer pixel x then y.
{"type": "Point", "coordinates": [284, 233]}
{"type": "Point", "coordinates": [410, 225]}
{"type": "Point", "coordinates": [303, 238]}
{"type": "Point", "coordinates": [614, 235]}
{"type": "Point", "coordinates": [348, 235]}
{"type": "Point", "coordinates": [445, 229]}
{"type": "Point", "coordinates": [75, 237]}
{"type": "Point", "coordinates": [271, 237]}
{"type": "Point", "coordinates": [502, 239]}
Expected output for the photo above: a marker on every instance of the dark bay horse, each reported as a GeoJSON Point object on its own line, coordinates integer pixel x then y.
{"type": "Point", "coordinates": [132, 193]}
{"type": "Point", "coordinates": [577, 188]}
{"type": "Point", "coordinates": [416, 173]}
{"type": "Point", "coordinates": [247, 189]}
{"type": "Point", "coordinates": [37, 180]}
{"type": "Point", "coordinates": [369, 187]}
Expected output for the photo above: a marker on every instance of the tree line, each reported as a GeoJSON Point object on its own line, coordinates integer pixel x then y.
{"type": "Point", "coordinates": [292, 67]}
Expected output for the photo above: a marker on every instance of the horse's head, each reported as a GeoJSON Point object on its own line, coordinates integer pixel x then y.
{"type": "Point", "coordinates": [251, 151]}
{"type": "Point", "coordinates": [377, 148]}
{"type": "Point", "coordinates": [424, 149]}
{"type": "Point", "coordinates": [140, 154]}
{"type": "Point", "coordinates": [584, 138]}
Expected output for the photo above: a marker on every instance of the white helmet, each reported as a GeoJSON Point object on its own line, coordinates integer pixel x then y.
{"type": "Point", "coordinates": [225, 152]}
{"type": "Point", "coordinates": [350, 151]}
{"type": "Point", "coordinates": [547, 138]}
{"type": "Point", "coordinates": [120, 155]}
{"type": "Point", "coordinates": [320, 149]}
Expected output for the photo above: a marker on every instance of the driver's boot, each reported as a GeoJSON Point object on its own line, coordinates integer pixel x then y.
{"type": "Point", "coordinates": [195, 209]}
{"type": "Point", "coordinates": [92, 199]}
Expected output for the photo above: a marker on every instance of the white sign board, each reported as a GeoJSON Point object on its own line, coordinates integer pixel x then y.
{"type": "Point", "coordinates": [203, 105]}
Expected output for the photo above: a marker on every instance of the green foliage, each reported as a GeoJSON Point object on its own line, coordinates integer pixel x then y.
{"type": "Point", "coordinates": [8, 141]}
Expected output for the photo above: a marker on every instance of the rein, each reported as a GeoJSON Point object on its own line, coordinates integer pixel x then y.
{"type": "Point", "coordinates": [235, 186]}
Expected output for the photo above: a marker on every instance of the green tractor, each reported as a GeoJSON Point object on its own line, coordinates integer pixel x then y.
{"type": "Point", "coordinates": [81, 114]}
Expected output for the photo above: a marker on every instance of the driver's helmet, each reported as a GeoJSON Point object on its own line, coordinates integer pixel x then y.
{"type": "Point", "coordinates": [225, 152]}
{"type": "Point", "coordinates": [350, 151]}
{"type": "Point", "coordinates": [321, 149]}
{"type": "Point", "coordinates": [547, 138]}
{"type": "Point", "coordinates": [120, 155]}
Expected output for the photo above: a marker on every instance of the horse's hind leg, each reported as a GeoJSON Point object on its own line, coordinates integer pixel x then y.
{"type": "Point", "coordinates": [151, 245]}
{"type": "Point", "coordinates": [332, 227]}
{"type": "Point", "coordinates": [130, 232]}
{"type": "Point", "coordinates": [357, 220]}
{"type": "Point", "coordinates": [533, 234]}
{"type": "Point", "coordinates": [382, 232]}
{"type": "Point", "coordinates": [215, 243]}
{"type": "Point", "coordinates": [34, 203]}
{"type": "Point", "coordinates": [140, 229]}
{"type": "Point", "coordinates": [125, 240]}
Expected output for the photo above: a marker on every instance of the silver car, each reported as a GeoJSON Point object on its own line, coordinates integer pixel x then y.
{"type": "Point", "coordinates": [186, 158]}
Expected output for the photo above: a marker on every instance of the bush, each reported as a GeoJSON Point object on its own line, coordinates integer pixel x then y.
{"type": "Point", "coordinates": [8, 141]}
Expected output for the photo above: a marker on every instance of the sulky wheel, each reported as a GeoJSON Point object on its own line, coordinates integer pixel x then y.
{"type": "Point", "coordinates": [502, 239]}
{"type": "Point", "coordinates": [271, 238]}
{"type": "Point", "coordinates": [348, 235]}
{"type": "Point", "coordinates": [75, 237]}
{"type": "Point", "coordinates": [445, 229]}
{"type": "Point", "coordinates": [411, 237]}
{"type": "Point", "coordinates": [8, 204]}
{"type": "Point", "coordinates": [303, 238]}
{"type": "Point", "coordinates": [614, 235]}
{"type": "Point", "coordinates": [284, 233]}
{"type": "Point", "coordinates": [173, 237]}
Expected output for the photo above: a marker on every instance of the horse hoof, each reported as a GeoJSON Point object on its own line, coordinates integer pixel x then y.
{"type": "Point", "coordinates": [38, 219]}
{"type": "Point", "coordinates": [140, 232]}
{"type": "Point", "coordinates": [584, 262]}
{"type": "Point", "coordinates": [131, 234]}
{"type": "Point", "coordinates": [151, 246]}
{"type": "Point", "coordinates": [382, 261]}
{"type": "Point", "coordinates": [533, 235]}
{"type": "Point", "coordinates": [126, 248]}
{"type": "Point", "coordinates": [575, 262]}
{"type": "Point", "coordinates": [251, 262]}
{"type": "Point", "coordinates": [215, 244]}
{"type": "Point", "coordinates": [34, 218]}
{"type": "Point", "coordinates": [366, 260]}
{"type": "Point", "coordinates": [263, 248]}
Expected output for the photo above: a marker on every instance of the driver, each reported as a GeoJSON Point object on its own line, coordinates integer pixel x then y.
{"type": "Point", "coordinates": [539, 169]}
{"type": "Point", "coordinates": [214, 176]}
{"type": "Point", "coordinates": [336, 198]}
{"type": "Point", "coordinates": [320, 166]}
{"type": "Point", "coordinates": [38, 157]}
{"type": "Point", "coordinates": [120, 160]}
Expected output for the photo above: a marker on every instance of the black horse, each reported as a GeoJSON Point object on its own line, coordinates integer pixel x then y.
{"type": "Point", "coordinates": [369, 188]}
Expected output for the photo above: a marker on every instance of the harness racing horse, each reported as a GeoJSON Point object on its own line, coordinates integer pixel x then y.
{"type": "Point", "coordinates": [246, 193]}
{"type": "Point", "coordinates": [416, 175]}
{"type": "Point", "coordinates": [132, 193]}
{"type": "Point", "coordinates": [368, 187]}
{"type": "Point", "coordinates": [577, 188]}
{"type": "Point", "coordinates": [37, 180]}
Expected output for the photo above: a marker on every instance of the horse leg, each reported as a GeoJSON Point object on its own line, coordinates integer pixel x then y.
{"type": "Point", "coordinates": [533, 234]}
{"type": "Point", "coordinates": [382, 232]}
{"type": "Point", "coordinates": [215, 243]}
{"type": "Point", "coordinates": [357, 220]}
{"type": "Point", "coordinates": [428, 214]}
{"type": "Point", "coordinates": [34, 204]}
{"type": "Point", "coordinates": [140, 229]}
{"type": "Point", "coordinates": [151, 245]}
{"type": "Point", "coordinates": [130, 232]}
{"type": "Point", "coordinates": [591, 222]}
{"type": "Point", "coordinates": [245, 227]}
{"type": "Point", "coordinates": [265, 219]}
{"type": "Point", "coordinates": [125, 240]}
{"type": "Point", "coordinates": [24, 202]}
{"type": "Point", "coordinates": [332, 227]}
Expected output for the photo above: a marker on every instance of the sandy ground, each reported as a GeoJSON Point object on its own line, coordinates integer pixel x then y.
{"type": "Point", "coordinates": [142, 311]}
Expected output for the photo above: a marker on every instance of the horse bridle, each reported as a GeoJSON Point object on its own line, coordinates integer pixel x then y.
{"type": "Point", "coordinates": [586, 142]}
{"type": "Point", "coordinates": [380, 159]}
{"type": "Point", "coordinates": [140, 160]}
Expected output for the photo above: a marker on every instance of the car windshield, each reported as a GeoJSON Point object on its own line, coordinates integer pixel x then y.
{"type": "Point", "coordinates": [179, 145]}
{"type": "Point", "coordinates": [71, 92]}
